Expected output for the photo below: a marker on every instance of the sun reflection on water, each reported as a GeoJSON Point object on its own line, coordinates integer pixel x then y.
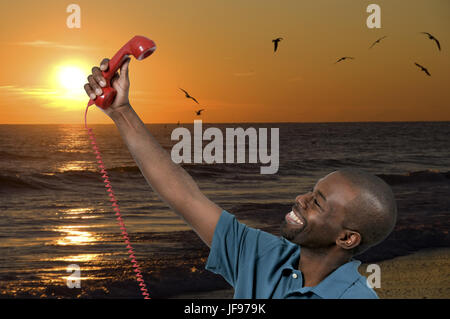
{"type": "Point", "coordinates": [76, 234]}
{"type": "Point", "coordinates": [72, 166]}
{"type": "Point", "coordinates": [73, 235]}
{"type": "Point", "coordinates": [78, 258]}
{"type": "Point", "coordinates": [79, 213]}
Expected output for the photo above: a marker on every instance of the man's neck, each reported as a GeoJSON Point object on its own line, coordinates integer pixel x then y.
{"type": "Point", "coordinates": [316, 265]}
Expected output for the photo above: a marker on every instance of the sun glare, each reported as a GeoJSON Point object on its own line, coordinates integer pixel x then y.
{"type": "Point", "coordinates": [68, 79]}
{"type": "Point", "coordinates": [72, 78]}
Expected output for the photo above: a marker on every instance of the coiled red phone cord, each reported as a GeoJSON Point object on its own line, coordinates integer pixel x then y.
{"type": "Point", "coordinates": [115, 206]}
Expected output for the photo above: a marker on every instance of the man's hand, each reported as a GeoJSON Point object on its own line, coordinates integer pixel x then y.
{"type": "Point", "coordinates": [120, 82]}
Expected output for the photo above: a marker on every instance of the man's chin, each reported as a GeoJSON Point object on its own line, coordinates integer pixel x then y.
{"type": "Point", "coordinates": [289, 232]}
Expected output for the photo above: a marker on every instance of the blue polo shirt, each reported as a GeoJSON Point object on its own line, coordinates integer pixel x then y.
{"type": "Point", "coordinates": [261, 266]}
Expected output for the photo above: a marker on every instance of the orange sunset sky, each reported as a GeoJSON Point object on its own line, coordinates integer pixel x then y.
{"type": "Point", "coordinates": [221, 53]}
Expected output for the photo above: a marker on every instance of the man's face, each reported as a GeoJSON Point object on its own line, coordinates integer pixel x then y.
{"type": "Point", "coordinates": [316, 217]}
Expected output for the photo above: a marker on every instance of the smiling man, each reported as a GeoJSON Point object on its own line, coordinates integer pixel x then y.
{"type": "Point", "coordinates": [347, 212]}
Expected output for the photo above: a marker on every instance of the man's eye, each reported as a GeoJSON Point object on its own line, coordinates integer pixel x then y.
{"type": "Point", "coordinates": [315, 202]}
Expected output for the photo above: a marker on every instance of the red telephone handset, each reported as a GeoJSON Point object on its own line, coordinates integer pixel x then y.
{"type": "Point", "coordinates": [141, 47]}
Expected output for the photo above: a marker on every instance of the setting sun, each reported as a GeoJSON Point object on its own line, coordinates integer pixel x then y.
{"type": "Point", "coordinates": [71, 77]}
{"type": "Point", "coordinates": [67, 80]}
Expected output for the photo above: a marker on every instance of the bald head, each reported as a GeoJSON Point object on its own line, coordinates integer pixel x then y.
{"type": "Point", "coordinates": [372, 212]}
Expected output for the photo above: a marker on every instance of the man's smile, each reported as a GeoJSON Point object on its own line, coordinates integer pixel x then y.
{"type": "Point", "coordinates": [295, 218]}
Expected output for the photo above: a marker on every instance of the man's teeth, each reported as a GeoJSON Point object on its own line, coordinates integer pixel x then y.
{"type": "Point", "coordinates": [295, 218]}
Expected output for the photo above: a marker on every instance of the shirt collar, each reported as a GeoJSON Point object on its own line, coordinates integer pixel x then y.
{"type": "Point", "coordinates": [336, 283]}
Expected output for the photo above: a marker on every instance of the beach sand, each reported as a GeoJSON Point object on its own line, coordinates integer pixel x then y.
{"type": "Point", "coordinates": [423, 274]}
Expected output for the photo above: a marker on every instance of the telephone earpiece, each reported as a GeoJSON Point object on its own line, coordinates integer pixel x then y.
{"type": "Point", "coordinates": [140, 47]}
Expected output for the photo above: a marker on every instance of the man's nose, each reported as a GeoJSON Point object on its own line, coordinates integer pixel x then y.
{"type": "Point", "coordinates": [303, 200]}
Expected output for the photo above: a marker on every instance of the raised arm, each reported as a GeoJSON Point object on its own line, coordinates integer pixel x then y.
{"type": "Point", "coordinates": [171, 182]}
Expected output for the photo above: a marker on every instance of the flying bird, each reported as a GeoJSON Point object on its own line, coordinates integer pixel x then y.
{"type": "Point", "coordinates": [423, 69]}
{"type": "Point", "coordinates": [275, 43]}
{"type": "Point", "coordinates": [378, 41]}
{"type": "Point", "coordinates": [199, 111]}
{"type": "Point", "coordinates": [433, 38]}
{"type": "Point", "coordinates": [188, 96]}
{"type": "Point", "coordinates": [344, 58]}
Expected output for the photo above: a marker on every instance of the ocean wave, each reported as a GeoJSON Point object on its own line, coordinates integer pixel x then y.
{"type": "Point", "coordinates": [203, 170]}
{"type": "Point", "coordinates": [424, 176]}
{"type": "Point", "coordinates": [18, 182]}
{"type": "Point", "coordinates": [41, 181]}
{"type": "Point", "coordinates": [15, 182]}
{"type": "Point", "coordinates": [12, 156]}
{"type": "Point", "coordinates": [218, 172]}
{"type": "Point", "coordinates": [124, 169]}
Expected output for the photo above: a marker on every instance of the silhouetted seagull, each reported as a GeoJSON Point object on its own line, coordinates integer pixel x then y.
{"type": "Point", "coordinates": [275, 44]}
{"type": "Point", "coordinates": [378, 41]}
{"type": "Point", "coordinates": [344, 58]}
{"type": "Point", "coordinates": [199, 111]}
{"type": "Point", "coordinates": [423, 69]}
{"type": "Point", "coordinates": [433, 38]}
{"type": "Point", "coordinates": [188, 96]}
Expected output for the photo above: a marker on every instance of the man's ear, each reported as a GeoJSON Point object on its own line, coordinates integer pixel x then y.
{"type": "Point", "coordinates": [348, 239]}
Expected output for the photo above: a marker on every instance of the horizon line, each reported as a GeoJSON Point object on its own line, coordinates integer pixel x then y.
{"type": "Point", "coordinates": [279, 122]}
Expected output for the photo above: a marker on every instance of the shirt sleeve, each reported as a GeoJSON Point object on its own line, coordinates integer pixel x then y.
{"type": "Point", "coordinates": [236, 247]}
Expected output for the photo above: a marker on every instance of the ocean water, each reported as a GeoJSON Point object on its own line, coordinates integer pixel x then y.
{"type": "Point", "coordinates": [55, 211]}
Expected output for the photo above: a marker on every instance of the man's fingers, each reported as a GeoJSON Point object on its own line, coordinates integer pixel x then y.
{"type": "Point", "coordinates": [98, 76]}
{"type": "Point", "coordinates": [94, 85]}
{"type": "Point", "coordinates": [96, 80]}
{"type": "Point", "coordinates": [104, 64]}
{"type": "Point", "coordinates": [89, 91]}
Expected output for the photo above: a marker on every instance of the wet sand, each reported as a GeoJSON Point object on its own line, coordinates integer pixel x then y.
{"type": "Point", "coordinates": [424, 274]}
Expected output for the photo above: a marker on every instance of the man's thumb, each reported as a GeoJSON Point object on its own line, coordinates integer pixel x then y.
{"type": "Point", "coordinates": [124, 68]}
